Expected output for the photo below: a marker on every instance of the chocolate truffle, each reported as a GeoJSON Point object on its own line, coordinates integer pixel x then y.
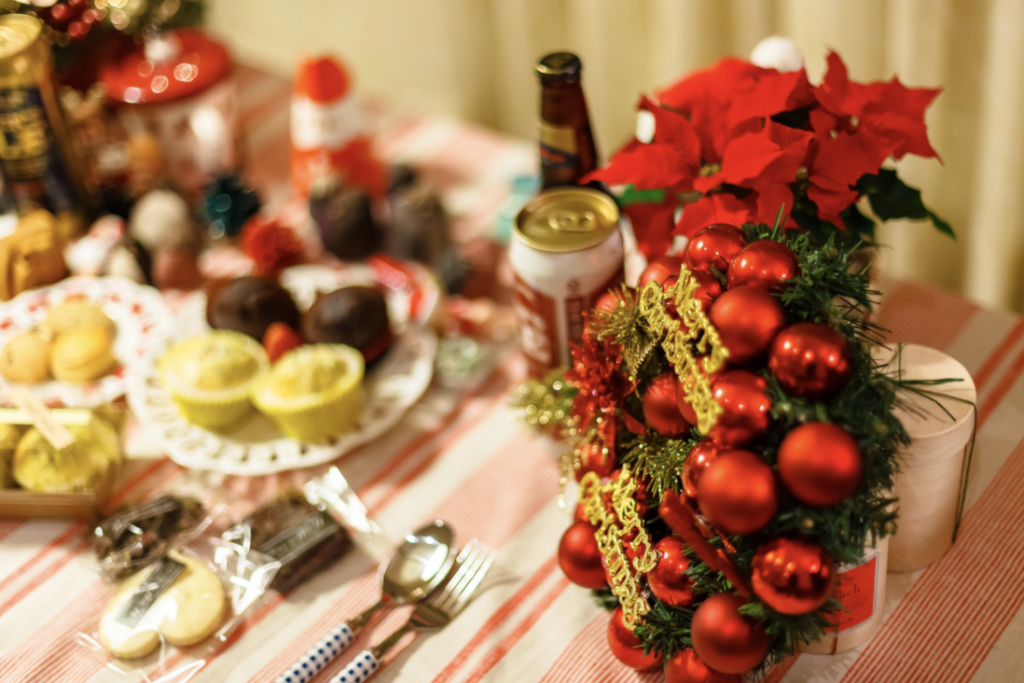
{"type": "Point", "coordinates": [344, 218]}
{"type": "Point", "coordinates": [356, 316]}
{"type": "Point", "coordinates": [250, 305]}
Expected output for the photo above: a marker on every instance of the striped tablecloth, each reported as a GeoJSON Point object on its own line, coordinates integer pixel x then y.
{"type": "Point", "coordinates": [459, 455]}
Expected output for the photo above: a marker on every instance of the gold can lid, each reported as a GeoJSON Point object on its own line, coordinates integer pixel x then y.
{"type": "Point", "coordinates": [567, 219]}
{"type": "Point", "coordinates": [17, 32]}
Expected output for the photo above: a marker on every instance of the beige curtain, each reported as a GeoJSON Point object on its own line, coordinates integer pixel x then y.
{"type": "Point", "coordinates": [473, 59]}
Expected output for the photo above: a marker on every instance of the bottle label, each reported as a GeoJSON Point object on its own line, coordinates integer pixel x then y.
{"type": "Point", "coordinates": [558, 147]}
{"type": "Point", "coordinates": [538, 327]}
{"type": "Point", "coordinates": [857, 590]}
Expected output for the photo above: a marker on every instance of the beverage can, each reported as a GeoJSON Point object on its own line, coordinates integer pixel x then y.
{"type": "Point", "coordinates": [566, 252]}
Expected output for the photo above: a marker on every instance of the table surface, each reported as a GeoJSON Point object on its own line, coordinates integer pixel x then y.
{"type": "Point", "coordinates": [460, 455]}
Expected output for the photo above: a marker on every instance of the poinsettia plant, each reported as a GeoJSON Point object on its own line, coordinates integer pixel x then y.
{"type": "Point", "coordinates": [733, 142]}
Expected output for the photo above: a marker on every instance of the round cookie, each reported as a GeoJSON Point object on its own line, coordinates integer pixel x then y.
{"type": "Point", "coordinates": [25, 359]}
{"type": "Point", "coordinates": [82, 354]}
{"type": "Point", "coordinates": [73, 313]}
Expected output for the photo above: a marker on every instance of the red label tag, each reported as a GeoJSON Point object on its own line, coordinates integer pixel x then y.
{"type": "Point", "coordinates": [856, 590]}
{"type": "Point", "coordinates": [538, 331]}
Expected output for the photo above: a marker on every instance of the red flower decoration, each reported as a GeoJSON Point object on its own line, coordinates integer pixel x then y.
{"type": "Point", "coordinates": [596, 372]}
{"type": "Point", "coordinates": [270, 245]}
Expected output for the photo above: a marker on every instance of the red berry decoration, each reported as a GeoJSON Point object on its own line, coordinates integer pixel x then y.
{"type": "Point", "coordinates": [737, 492]}
{"type": "Point", "coordinates": [659, 270]}
{"type": "Point", "coordinates": [820, 464]}
{"type": "Point", "coordinates": [810, 359]}
{"type": "Point", "coordinates": [792, 575]}
{"type": "Point", "coordinates": [745, 406]}
{"type": "Point", "coordinates": [726, 640]}
{"type": "Point", "coordinates": [696, 462]}
{"type": "Point", "coordinates": [686, 667]}
{"type": "Point", "coordinates": [595, 458]}
{"type": "Point", "coordinates": [279, 339]}
{"type": "Point", "coordinates": [627, 648]}
{"type": "Point", "coordinates": [766, 264]}
{"type": "Point", "coordinates": [660, 409]}
{"type": "Point", "coordinates": [747, 319]}
{"type": "Point", "coordinates": [668, 580]}
{"type": "Point", "coordinates": [579, 557]}
{"type": "Point", "coordinates": [713, 247]}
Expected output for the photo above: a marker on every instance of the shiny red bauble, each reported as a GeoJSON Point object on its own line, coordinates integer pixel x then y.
{"type": "Point", "coordinates": [595, 458]}
{"type": "Point", "coordinates": [579, 557]}
{"type": "Point", "coordinates": [627, 648]}
{"type": "Point", "coordinates": [686, 667]}
{"type": "Point", "coordinates": [820, 464]}
{"type": "Point", "coordinates": [737, 492]}
{"type": "Point", "coordinates": [580, 515]}
{"type": "Point", "coordinates": [668, 580]}
{"type": "Point", "coordinates": [659, 270]}
{"type": "Point", "coordinates": [708, 288]}
{"type": "Point", "coordinates": [746, 408]}
{"type": "Point", "coordinates": [747, 320]}
{"type": "Point", "coordinates": [696, 462]}
{"type": "Point", "coordinates": [608, 301]}
{"type": "Point", "coordinates": [792, 575]}
{"type": "Point", "coordinates": [810, 359]}
{"type": "Point", "coordinates": [726, 640]}
{"type": "Point", "coordinates": [660, 409]}
{"type": "Point", "coordinates": [766, 264]}
{"type": "Point", "coordinates": [683, 401]}
{"type": "Point", "coordinates": [713, 247]}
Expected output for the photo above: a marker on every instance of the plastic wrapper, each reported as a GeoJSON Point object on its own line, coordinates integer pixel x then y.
{"type": "Point", "coordinates": [332, 493]}
{"type": "Point", "coordinates": [182, 608]}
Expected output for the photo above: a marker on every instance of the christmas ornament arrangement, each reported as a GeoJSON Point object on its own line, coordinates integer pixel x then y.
{"type": "Point", "coordinates": [732, 436]}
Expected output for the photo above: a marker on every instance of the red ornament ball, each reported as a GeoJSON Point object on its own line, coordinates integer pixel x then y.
{"type": "Point", "coordinates": [820, 464]}
{"type": "Point", "coordinates": [810, 359]}
{"type": "Point", "coordinates": [746, 408]}
{"type": "Point", "coordinates": [726, 640]}
{"type": "Point", "coordinates": [686, 667]}
{"type": "Point", "coordinates": [683, 401]}
{"type": "Point", "coordinates": [634, 425]}
{"type": "Point", "coordinates": [659, 270]}
{"type": "Point", "coordinates": [668, 580]}
{"type": "Point", "coordinates": [713, 247]}
{"type": "Point", "coordinates": [737, 492]}
{"type": "Point", "coordinates": [607, 302]}
{"type": "Point", "coordinates": [579, 557]}
{"type": "Point", "coordinates": [580, 515]}
{"type": "Point", "coordinates": [792, 575]}
{"type": "Point", "coordinates": [595, 458]}
{"type": "Point", "coordinates": [708, 289]}
{"type": "Point", "coordinates": [747, 319]}
{"type": "Point", "coordinates": [696, 462]}
{"type": "Point", "coordinates": [766, 264]}
{"type": "Point", "coordinates": [627, 648]}
{"type": "Point", "coordinates": [660, 409]}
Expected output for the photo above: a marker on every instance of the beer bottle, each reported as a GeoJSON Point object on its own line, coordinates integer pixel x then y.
{"type": "Point", "coordinates": [567, 151]}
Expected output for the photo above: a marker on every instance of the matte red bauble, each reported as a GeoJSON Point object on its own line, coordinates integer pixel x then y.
{"type": "Point", "coordinates": [659, 270]}
{"type": "Point", "coordinates": [668, 580]}
{"type": "Point", "coordinates": [766, 264]}
{"type": "Point", "coordinates": [660, 409]}
{"type": "Point", "coordinates": [747, 319]}
{"type": "Point", "coordinates": [696, 462]}
{"type": "Point", "coordinates": [820, 464]}
{"type": "Point", "coordinates": [792, 575]}
{"type": "Point", "coordinates": [737, 492]}
{"type": "Point", "coordinates": [627, 648]}
{"type": "Point", "coordinates": [810, 359]}
{"type": "Point", "coordinates": [686, 667]}
{"type": "Point", "coordinates": [713, 247]}
{"type": "Point", "coordinates": [595, 458]}
{"type": "Point", "coordinates": [726, 640]}
{"type": "Point", "coordinates": [746, 408]}
{"type": "Point", "coordinates": [579, 557]}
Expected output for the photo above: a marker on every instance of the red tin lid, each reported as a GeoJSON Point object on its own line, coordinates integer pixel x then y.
{"type": "Point", "coordinates": [173, 66]}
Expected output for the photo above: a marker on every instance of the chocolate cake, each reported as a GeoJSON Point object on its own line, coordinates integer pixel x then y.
{"type": "Point", "coordinates": [250, 305]}
{"type": "Point", "coordinates": [356, 316]}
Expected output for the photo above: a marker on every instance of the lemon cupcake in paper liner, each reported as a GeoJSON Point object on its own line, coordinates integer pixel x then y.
{"type": "Point", "coordinates": [313, 393]}
{"type": "Point", "coordinates": [209, 377]}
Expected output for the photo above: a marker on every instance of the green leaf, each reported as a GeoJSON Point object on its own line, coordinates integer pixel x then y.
{"type": "Point", "coordinates": [631, 195]}
{"type": "Point", "coordinates": [857, 223]}
{"type": "Point", "coordinates": [891, 198]}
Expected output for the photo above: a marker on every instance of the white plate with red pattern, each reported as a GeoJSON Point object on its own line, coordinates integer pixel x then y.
{"type": "Point", "coordinates": [143, 323]}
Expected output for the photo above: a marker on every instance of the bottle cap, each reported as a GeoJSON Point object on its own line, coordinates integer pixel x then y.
{"type": "Point", "coordinates": [559, 66]}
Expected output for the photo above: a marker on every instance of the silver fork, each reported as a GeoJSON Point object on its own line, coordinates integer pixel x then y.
{"type": "Point", "coordinates": [436, 611]}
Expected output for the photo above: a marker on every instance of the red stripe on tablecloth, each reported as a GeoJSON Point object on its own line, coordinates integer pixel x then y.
{"type": "Point", "coordinates": [781, 669]}
{"type": "Point", "coordinates": [954, 609]}
{"type": "Point", "coordinates": [71, 532]}
{"type": "Point", "coordinates": [910, 314]}
{"type": "Point", "coordinates": [42, 575]}
{"type": "Point", "coordinates": [589, 645]}
{"type": "Point", "coordinates": [8, 527]}
{"type": "Point", "coordinates": [1000, 390]}
{"type": "Point", "coordinates": [983, 374]}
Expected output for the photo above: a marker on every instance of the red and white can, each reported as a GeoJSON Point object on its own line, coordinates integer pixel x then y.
{"type": "Point", "coordinates": [566, 252]}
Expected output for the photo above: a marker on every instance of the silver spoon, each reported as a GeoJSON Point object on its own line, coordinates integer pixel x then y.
{"type": "Point", "coordinates": [415, 569]}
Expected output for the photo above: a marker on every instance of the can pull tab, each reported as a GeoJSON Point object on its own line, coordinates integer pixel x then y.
{"type": "Point", "coordinates": [572, 221]}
